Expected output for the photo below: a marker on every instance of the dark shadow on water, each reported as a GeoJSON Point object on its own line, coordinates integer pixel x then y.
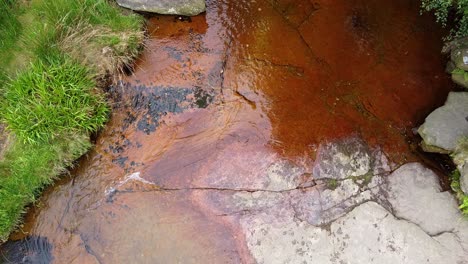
{"type": "Point", "coordinates": [32, 250]}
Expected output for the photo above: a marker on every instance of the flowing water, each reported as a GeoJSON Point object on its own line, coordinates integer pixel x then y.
{"type": "Point", "coordinates": [219, 101]}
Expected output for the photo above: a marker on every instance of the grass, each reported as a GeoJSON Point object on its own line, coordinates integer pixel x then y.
{"type": "Point", "coordinates": [9, 32]}
{"type": "Point", "coordinates": [31, 100]}
{"type": "Point", "coordinates": [51, 56]}
{"type": "Point", "coordinates": [462, 198]}
{"type": "Point", "coordinates": [28, 174]}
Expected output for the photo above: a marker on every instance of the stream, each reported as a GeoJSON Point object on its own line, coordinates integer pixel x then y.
{"type": "Point", "coordinates": [236, 102]}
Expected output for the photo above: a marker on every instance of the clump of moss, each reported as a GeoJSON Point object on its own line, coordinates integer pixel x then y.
{"type": "Point", "coordinates": [332, 184]}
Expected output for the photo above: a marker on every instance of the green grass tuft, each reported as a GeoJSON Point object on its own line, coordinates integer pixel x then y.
{"type": "Point", "coordinates": [51, 98]}
{"type": "Point", "coordinates": [50, 56]}
{"type": "Point", "coordinates": [10, 29]}
{"type": "Point", "coordinates": [462, 198]}
{"type": "Point", "coordinates": [67, 13]}
{"type": "Point", "coordinates": [26, 169]}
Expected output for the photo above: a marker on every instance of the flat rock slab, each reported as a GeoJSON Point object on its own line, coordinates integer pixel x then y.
{"type": "Point", "coordinates": [412, 222]}
{"type": "Point", "coordinates": [446, 125]}
{"type": "Point", "coordinates": [415, 195]}
{"type": "Point", "coordinates": [166, 7]}
{"type": "Point", "coordinates": [368, 234]}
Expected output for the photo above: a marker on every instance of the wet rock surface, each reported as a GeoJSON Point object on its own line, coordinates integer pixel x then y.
{"type": "Point", "coordinates": [241, 138]}
{"type": "Point", "coordinates": [348, 158]}
{"type": "Point", "coordinates": [445, 126]}
{"type": "Point", "coordinates": [167, 7]}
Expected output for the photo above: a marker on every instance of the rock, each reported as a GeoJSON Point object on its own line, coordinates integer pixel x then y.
{"type": "Point", "coordinates": [371, 234]}
{"type": "Point", "coordinates": [459, 56]}
{"type": "Point", "coordinates": [415, 195]}
{"type": "Point", "coordinates": [433, 149]}
{"type": "Point", "coordinates": [459, 78]}
{"type": "Point", "coordinates": [450, 67]}
{"type": "Point", "coordinates": [167, 7]}
{"type": "Point", "coordinates": [349, 157]}
{"type": "Point", "coordinates": [464, 178]}
{"type": "Point", "coordinates": [445, 126]}
{"type": "Point", "coordinates": [286, 242]}
{"type": "Point", "coordinates": [457, 43]}
{"type": "Point", "coordinates": [461, 232]}
{"type": "Point", "coordinates": [460, 155]}
{"type": "Point", "coordinates": [368, 234]}
{"type": "Point", "coordinates": [460, 158]}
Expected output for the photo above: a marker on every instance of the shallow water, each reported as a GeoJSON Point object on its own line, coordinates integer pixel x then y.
{"type": "Point", "coordinates": [217, 101]}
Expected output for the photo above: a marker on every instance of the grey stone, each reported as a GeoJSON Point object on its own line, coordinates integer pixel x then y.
{"type": "Point", "coordinates": [349, 157]}
{"type": "Point", "coordinates": [368, 234]}
{"type": "Point", "coordinates": [286, 242]}
{"type": "Point", "coordinates": [371, 234]}
{"type": "Point", "coordinates": [446, 125]}
{"type": "Point", "coordinates": [451, 241]}
{"type": "Point", "coordinates": [461, 231]}
{"type": "Point", "coordinates": [464, 178]}
{"type": "Point", "coordinates": [167, 7]}
{"type": "Point", "coordinates": [460, 58]}
{"type": "Point", "coordinates": [415, 195]}
{"type": "Point", "coordinates": [460, 155]}
{"type": "Point", "coordinates": [282, 175]}
{"type": "Point", "coordinates": [460, 158]}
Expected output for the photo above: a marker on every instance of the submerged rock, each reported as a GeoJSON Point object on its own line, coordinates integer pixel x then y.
{"type": "Point", "coordinates": [446, 125]}
{"type": "Point", "coordinates": [166, 7]}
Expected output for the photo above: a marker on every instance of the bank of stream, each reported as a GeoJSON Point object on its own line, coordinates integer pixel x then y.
{"type": "Point", "coordinates": [240, 101]}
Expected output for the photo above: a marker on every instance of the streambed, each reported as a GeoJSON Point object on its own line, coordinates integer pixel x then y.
{"type": "Point", "coordinates": [229, 116]}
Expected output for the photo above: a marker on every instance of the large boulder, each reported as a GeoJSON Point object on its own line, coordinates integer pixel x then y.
{"type": "Point", "coordinates": [445, 126]}
{"type": "Point", "coordinates": [167, 7]}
